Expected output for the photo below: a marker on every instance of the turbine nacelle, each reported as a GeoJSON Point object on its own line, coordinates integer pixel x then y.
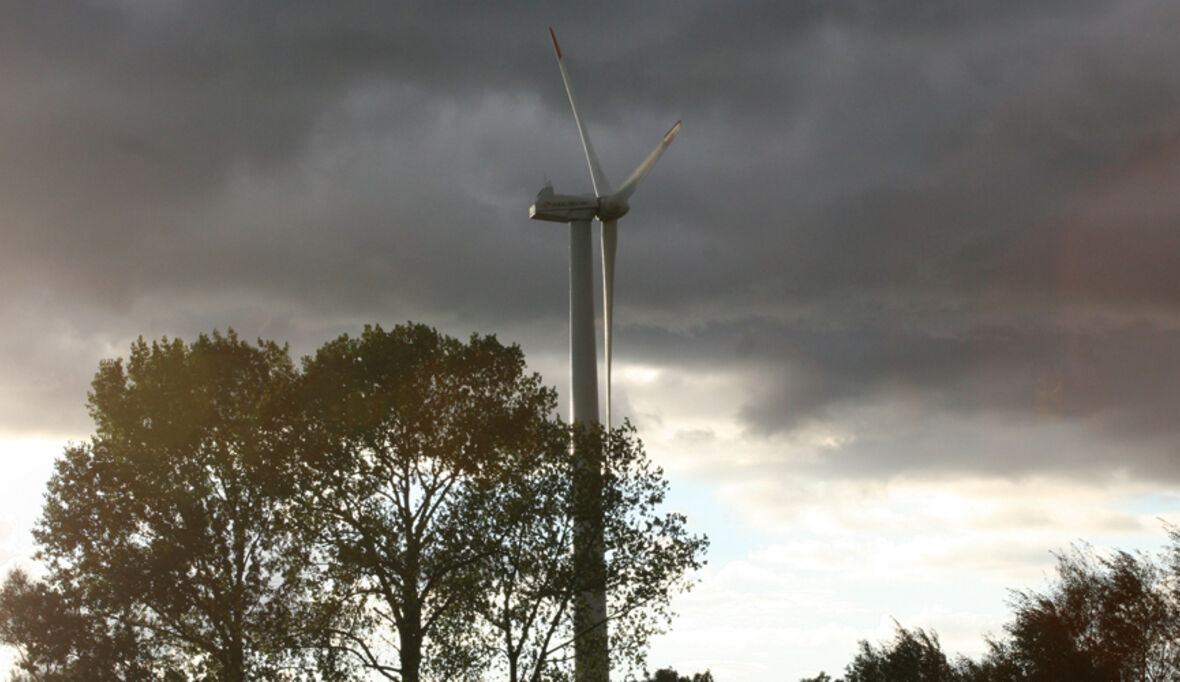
{"type": "Point", "coordinates": [563, 208]}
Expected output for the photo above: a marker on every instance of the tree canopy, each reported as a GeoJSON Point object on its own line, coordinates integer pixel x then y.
{"type": "Point", "coordinates": [158, 531]}
{"type": "Point", "coordinates": [412, 435]}
{"type": "Point", "coordinates": [670, 675]}
{"type": "Point", "coordinates": [531, 584]}
{"type": "Point", "coordinates": [399, 505]}
{"type": "Point", "coordinates": [1105, 618]}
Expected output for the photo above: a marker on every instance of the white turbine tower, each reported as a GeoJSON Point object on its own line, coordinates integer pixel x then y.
{"type": "Point", "coordinates": [591, 649]}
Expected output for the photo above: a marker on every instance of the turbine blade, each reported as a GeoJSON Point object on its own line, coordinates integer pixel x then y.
{"type": "Point", "coordinates": [610, 242]}
{"type": "Point", "coordinates": [601, 188]}
{"type": "Point", "coordinates": [628, 187]}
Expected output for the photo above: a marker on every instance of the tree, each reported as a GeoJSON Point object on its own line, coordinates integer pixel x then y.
{"type": "Point", "coordinates": [402, 505]}
{"type": "Point", "coordinates": [670, 675]}
{"type": "Point", "coordinates": [410, 435]}
{"type": "Point", "coordinates": [524, 611]}
{"type": "Point", "coordinates": [912, 656]}
{"type": "Point", "coordinates": [160, 535]}
{"type": "Point", "coordinates": [1110, 618]}
{"type": "Point", "coordinates": [59, 642]}
{"type": "Point", "coordinates": [531, 574]}
{"type": "Point", "coordinates": [1106, 618]}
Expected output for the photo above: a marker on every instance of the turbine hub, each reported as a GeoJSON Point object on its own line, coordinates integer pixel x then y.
{"type": "Point", "coordinates": [612, 210]}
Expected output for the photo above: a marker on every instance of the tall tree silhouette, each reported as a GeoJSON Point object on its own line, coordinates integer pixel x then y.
{"type": "Point", "coordinates": [160, 527]}
{"type": "Point", "coordinates": [531, 575]}
{"type": "Point", "coordinates": [66, 642]}
{"type": "Point", "coordinates": [401, 507]}
{"type": "Point", "coordinates": [1105, 618]}
{"type": "Point", "coordinates": [1113, 617]}
{"type": "Point", "coordinates": [413, 431]}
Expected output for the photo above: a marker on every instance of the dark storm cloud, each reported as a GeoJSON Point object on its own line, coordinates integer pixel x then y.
{"type": "Point", "coordinates": [968, 214]}
{"type": "Point", "coordinates": [876, 394]}
{"type": "Point", "coordinates": [128, 124]}
{"type": "Point", "coordinates": [870, 201]}
{"type": "Point", "coordinates": [939, 160]}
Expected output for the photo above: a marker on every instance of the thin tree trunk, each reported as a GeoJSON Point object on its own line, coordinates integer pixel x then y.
{"type": "Point", "coordinates": [410, 635]}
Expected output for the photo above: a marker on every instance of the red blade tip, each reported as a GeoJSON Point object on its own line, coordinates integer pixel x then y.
{"type": "Point", "coordinates": [556, 47]}
{"type": "Point", "coordinates": [672, 132]}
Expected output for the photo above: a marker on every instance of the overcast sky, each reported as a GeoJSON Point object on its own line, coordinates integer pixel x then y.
{"type": "Point", "coordinates": [898, 310]}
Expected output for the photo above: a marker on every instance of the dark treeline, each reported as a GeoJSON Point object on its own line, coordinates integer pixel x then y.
{"type": "Point", "coordinates": [670, 675]}
{"type": "Point", "coordinates": [1104, 618]}
{"type": "Point", "coordinates": [396, 507]}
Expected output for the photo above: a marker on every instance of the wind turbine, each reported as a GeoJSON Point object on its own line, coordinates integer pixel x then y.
{"type": "Point", "coordinates": [608, 207]}
{"type": "Point", "coordinates": [591, 655]}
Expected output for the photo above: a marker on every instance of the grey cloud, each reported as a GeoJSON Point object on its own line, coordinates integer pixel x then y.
{"type": "Point", "coordinates": [952, 393]}
{"type": "Point", "coordinates": [960, 205]}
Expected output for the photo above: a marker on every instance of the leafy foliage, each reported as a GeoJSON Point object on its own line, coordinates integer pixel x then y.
{"type": "Point", "coordinates": [400, 507]}
{"type": "Point", "coordinates": [160, 533]}
{"type": "Point", "coordinates": [532, 584]}
{"type": "Point", "coordinates": [412, 433]}
{"type": "Point", "coordinates": [1107, 618]}
{"type": "Point", "coordinates": [60, 642]}
{"type": "Point", "coordinates": [670, 675]}
{"type": "Point", "coordinates": [912, 656]}
{"type": "Point", "coordinates": [1112, 618]}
